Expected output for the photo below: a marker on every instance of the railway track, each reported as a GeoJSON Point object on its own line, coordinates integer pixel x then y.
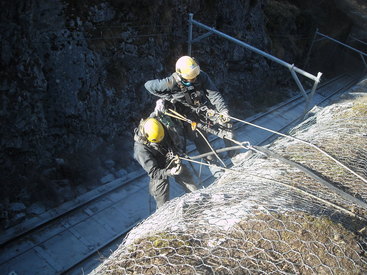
{"type": "Point", "coordinates": [67, 240]}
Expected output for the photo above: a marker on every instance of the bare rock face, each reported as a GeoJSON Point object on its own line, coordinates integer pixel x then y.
{"type": "Point", "coordinates": [72, 83]}
{"type": "Point", "coordinates": [72, 76]}
{"type": "Point", "coordinates": [357, 12]}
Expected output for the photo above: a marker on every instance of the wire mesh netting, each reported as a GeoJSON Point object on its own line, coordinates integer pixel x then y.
{"type": "Point", "coordinates": [267, 216]}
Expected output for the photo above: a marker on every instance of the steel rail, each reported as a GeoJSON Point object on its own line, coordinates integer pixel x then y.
{"type": "Point", "coordinates": [31, 228]}
{"type": "Point", "coordinates": [300, 167]}
{"type": "Point", "coordinates": [310, 173]}
{"type": "Point", "coordinates": [135, 178]}
{"type": "Point", "coordinates": [340, 43]}
{"type": "Point", "coordinates": [361, 54]}
{"type": "Point", "coordinates": [338, 191]}
{"type": "Point", "coordinates": [251, 48]}
{"type": "Point", "coordinates": [64, 229]}
{"type": "Point", "coordinates": [347, 86]}
{"type": "Point", "coordinates": [291, 67]}
{"type": "Point", "coordinates": [240, 125]}
{"type": "Point", "coordinates": [304, 142]}
{"type": "Point", "coordinates": [210, 177]}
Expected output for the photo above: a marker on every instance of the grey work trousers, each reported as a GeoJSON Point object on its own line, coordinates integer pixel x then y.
{"type": "Point", "coordinates": [159, 189]}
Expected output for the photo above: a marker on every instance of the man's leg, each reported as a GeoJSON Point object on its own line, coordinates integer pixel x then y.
{"type": "Point", "coordinates": [159, 189]}
{"type": "Point", "coordinates": [185, 180]}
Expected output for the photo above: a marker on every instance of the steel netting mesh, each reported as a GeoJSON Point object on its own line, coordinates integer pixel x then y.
{"type": "Point", "coordinates": [267, 216]}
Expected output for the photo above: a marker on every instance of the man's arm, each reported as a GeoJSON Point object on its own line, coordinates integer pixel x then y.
{"type": "Point", "coordinates": [214, 96]}
{"type": "Point", "coordinates": [161, 87]}
{"type": "Point", "coordinates": [148, 162]}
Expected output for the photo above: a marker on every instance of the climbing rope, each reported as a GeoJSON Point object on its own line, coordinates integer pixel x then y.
{"type": "Point", "coordinates": [193, 124]}
{"type": "Point", "coordinates": [277, 133]}
{"type": "Point", "coordinates": [304, 142]}
{"type": "Point", "coordinates": [267, 153]}
{"type": "Point", "coordinates": [360, 203]}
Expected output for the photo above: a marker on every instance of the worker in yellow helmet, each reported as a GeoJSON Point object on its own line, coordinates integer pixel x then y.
{"type": "Point", "coordinates": [189, 89]}
{"type": "Point", "coordinates": [156, 152]}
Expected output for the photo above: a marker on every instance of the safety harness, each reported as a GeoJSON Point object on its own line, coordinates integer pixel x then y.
{"type": "Point", "coordinates": [165, 148]}
{"type": "Point", "coordinates": [196, 101]}
{"type": "Point", "coordinates": [193, 96]}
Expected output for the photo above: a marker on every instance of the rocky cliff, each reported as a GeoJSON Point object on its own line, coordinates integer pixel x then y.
{"type": "Point", "coordinates": [72, 75]}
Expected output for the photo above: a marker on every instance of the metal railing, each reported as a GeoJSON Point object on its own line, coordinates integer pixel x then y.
{"type": "Point", "coordinates": [317, 33]}
{"type": "Point", "coordinates": [360, 41]}
{"type": "Point", "coordinates": [293, 69]}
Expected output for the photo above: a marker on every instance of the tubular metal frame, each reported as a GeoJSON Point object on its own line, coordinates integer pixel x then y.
{"type": "Point", "coordinates": [293, 69]}
{"type": "Point", "coordinates": [361, 54]}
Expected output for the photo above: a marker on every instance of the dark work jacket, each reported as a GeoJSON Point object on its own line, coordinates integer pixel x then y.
{"type": "Point", "coordinates": [152, 156]}
{"type": "Point", "coordinates": [169, 89]}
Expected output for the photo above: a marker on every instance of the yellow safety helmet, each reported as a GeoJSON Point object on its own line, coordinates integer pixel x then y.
{"type": "Point", "coordinates": [153, 130]}
{"type": "Point", "coordinates": [187, 67]}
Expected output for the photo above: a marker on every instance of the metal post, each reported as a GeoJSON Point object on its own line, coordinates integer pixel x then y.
{"type": "Point", "coordinates": [299, 84]}
{"type": "Point", "coordinates": [190, 34]}
{"type": "Point", "coordinates": [243, 44]}
{"type": "Point", "coordinates": [362, 54]}
{"type": "Point", "coordinates": [310, 97]}
{"type": "Point", "coordinates": [363, 60]}
{"type": "Point", "coordinates": [345, 45]}
{"type": "Point", "coordinates": [360, 41]}
{"type": "Point", "coordinates": [292, 68]}
{"type": "Point", "coordinates": [310, 49]}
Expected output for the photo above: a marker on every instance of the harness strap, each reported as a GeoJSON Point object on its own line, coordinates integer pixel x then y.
{"type": "Point", "coordinates": [183, 88]}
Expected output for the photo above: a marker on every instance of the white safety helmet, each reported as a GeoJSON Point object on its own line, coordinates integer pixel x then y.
{"type": "Point", "coordinates": [187, 67]}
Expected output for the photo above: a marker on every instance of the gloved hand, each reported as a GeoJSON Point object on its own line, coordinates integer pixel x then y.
{"type": "Point", "coordinates": [175, 171]}
{"type": "Point", "coordinates": [174, 167]}
{"type": "Point", "coordinates": [159, 107]}
{"type": "Point", "coordinates": [224, 117]}
{"type": "Point", "coordinates": [228, 134]}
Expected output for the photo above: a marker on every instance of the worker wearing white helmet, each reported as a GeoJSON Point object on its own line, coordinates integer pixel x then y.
{"type": "Point", "coordinates": [187, 68]}
{"type": "Point", "coordinates": [188, 85]}
{"type": "Point", "coordinates": [189, 89]}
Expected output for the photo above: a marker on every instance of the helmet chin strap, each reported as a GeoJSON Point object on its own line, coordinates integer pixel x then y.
{"type": "Point", "coordinates": [180, 75]}
{"type": "Point", "coordinates": [186, 83]}
{"type": "Point", "coordinates": [139, 135]}
{"type": "Point", "coordinates": [144, 135]}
